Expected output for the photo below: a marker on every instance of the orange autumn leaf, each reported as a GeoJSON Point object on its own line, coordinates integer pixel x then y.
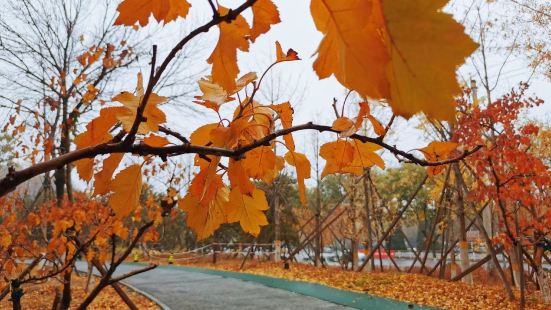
{"type": "Point", "coordinates": [344, 126]}
{"type": "Point", "coordinates": [421, 32]}
{"type": "Point", "coordinates": [215, 95]}
{"type": "Point", "coordinates": [285, 112]}
{"type": "Point", "coordinates": [302, 165]}
{"type": "Point", "coordinates": [102, 179]}
{"type": "Point", "coordinates": [349, 49]}
{"type": "Point", "coordinates": [279, 165]}
{"type": "Point", "coordinates": [153, 115]}
{"type": "Point", "coordinates": [126, 188]}
{"type": "Point", "coordinates": [248, 210]}
{"type": "Point", "coordinates": [380, 49]}
{"type": "Point", "coordinates": [156, 141]}
{"type": "Point", "coordinates": [362, 113]}
{"type": "Point", "coordinates": [377, 126]}
{"type": "Point", "coordinates": [201, 136]}
{"type": "Point", "coordinates": [365, 157]}
{"type": "Point", "coordinates": [233, 36]}
{"type": "Point", "coordinates": [97, 131]}
{"type": "Point", "coordinates": [353, 156]}
{"type": "Point", "coordinates": [265, 14]}
{"type": "Point", "coordinates": [138, 11]}
{"type": "Point", "coordinates": [338, 155]}
{"type": "Point", "coordinates": [281, 56]}
{"type": "Point", "coordinates": [203, 183]}
{"type": "Point", "coordinates": [85, 168]}
{"type": "Point", "coordinates": [239, 178]}
{"type": "Point", "coordinates": [437, 151]}
{"type": "Point", "coordinates": [260, 163]}
{"type": "Point", "coordinates": [204, 218]}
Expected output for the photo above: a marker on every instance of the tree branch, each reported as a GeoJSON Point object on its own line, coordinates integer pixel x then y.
{"type": "Point", "coordinates": [15, 178]}
{"type": "Point", "coordinates": [132, 273]}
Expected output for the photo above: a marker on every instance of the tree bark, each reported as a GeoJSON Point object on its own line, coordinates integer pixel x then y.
{"type": "Point", "coordinates": [65, 301]}
{"type": "Point", "coordinates": [277, 229]}
{"type": "Point", "coordinates": [463, 245]}
{"type": "Point", "coordinates": [368, 208]}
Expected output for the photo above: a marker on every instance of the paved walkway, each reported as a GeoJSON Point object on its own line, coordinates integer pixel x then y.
{"type": "Point", "coordinates": [180, 289]}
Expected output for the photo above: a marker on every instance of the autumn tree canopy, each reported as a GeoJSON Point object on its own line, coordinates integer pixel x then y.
{"type": "Point", "coordinates": [377, 49]}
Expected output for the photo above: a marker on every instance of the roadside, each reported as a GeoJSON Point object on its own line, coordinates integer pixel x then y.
{"type": "Point", "coordinates": [41, 296]}
{"type": "Point", "coordinates": [407, 287]}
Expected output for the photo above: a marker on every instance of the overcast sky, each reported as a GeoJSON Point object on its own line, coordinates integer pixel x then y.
{"type": "Point", "coordinates": [311, 97]}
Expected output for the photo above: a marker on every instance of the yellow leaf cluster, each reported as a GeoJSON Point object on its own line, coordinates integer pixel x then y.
{"type": "Point", "coordinates": [343, 156]}
{"type": "Point", "coordinates": [405, 51]}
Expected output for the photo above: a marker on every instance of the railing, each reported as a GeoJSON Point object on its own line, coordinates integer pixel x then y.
{"type": "Point", "coordinates": [214, 251]}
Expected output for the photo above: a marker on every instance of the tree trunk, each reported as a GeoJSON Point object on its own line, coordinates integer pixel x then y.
{"type": "Point", "coordinates": [463, 245]}
{"type": "Point", "coordinates": [317, 242]}
{"type": "Point", "coordinates": [277, 230]}
{"type": "Point", "coordinates": [59, 176]}
{"type": "Point", "coordinates": [65, 301]}
{"type": "Point", "coordinates": [16, 294]}
{"type": "Point", "coordinates": [368, 207]}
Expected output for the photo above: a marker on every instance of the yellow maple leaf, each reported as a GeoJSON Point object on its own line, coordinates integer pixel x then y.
{"type": "Point", "coordinates": [421, 33]}
{"type": "Point", "coordinates": [437, 151]}
{"type": "Point", "coordinates": [239, 178]}
{"type": "Point", "coordinates": [138, 11]}
{"type": "Point", "coordinates": [126, 188]}
{"type": "Point", "coordinates": [102, 179]}
{"type": "Point", "coordinates": [153, 115]}
{"type": "Point", "coordinates": [291, 54]}
{"type": "Point", "coordinates": [247, 210]}
{"type": "Point", "coordinates": [344, 126]}
{"type": "Point", "coordinates": [265, 14]}
{"type": "Point", "coordinates": [338, 155]}
{"type": "Point", "coordinates": [365, 154]}
{"type": "Point", "coordinates": [85, 168]}
{"type": "Point", "coordinates": [381, 48]}
{"type": "Point", "coordinates": [350, 50]}
{"type": "Point", "coordinates": [205, 182]}
{"type": "Point", "coordinates": [344, 156]}
{"type": "Point", "coordinates": [205, 218]}
{"type": "Point", "coordinates": [259, 163]}
{"type": "Point", "coordinates": [97, 130]}
{"type": "Point", "coordinates": [202, 136]}
{"type": "Point", "coordinates": [302, 165]}
{"type": "Point", "coordinates": [215, 95]}
{"type": "Point", "coordinates": [233, 36]}
{"type": "Point", "coordinates": [285, 113]}
{"type": "Point", "coordinates": [156, 141]}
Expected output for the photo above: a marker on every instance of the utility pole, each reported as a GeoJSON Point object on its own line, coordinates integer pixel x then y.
{"type": "Point", "coordinates": [368, 208]}
{"type": "Point", "coordinates": [463, 245]}
{"type": "Point", "coordinates": [317, 239]}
